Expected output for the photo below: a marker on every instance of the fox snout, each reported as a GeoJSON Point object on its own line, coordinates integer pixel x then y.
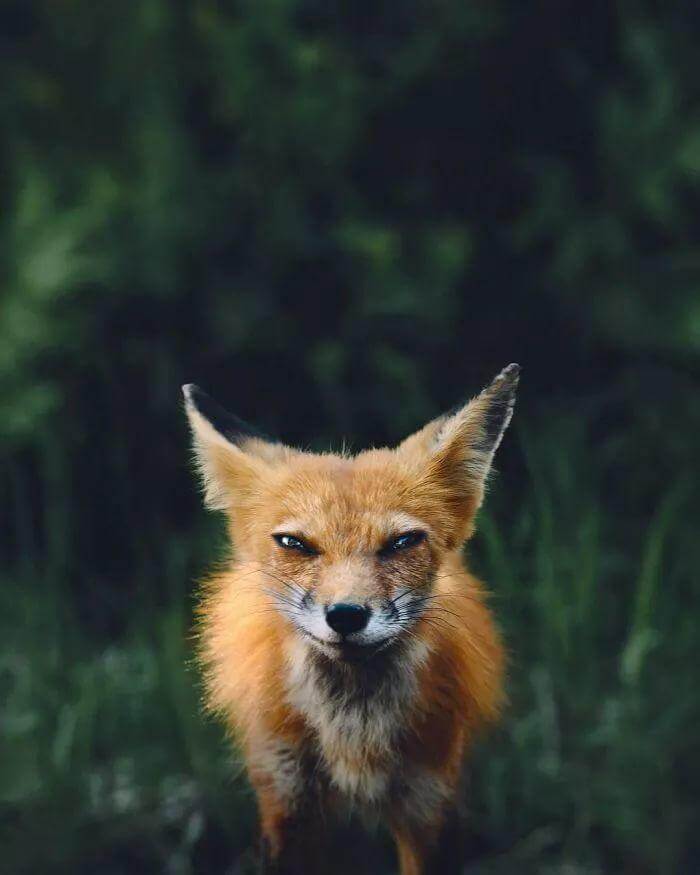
{"type": "Point", "coordinates": [347, 604]}
{"type": "Point", "coordinates": [345, 621]}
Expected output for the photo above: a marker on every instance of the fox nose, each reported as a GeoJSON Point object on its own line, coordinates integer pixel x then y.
{"type": "Point", "coordinates": [345, 618]}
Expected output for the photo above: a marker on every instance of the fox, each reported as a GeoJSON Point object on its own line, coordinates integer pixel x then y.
{"type": "Point", "coordinates": [344, 643]}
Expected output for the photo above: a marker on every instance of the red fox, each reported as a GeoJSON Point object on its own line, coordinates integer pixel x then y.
{"type": "Point", "coordinates": [346, 646]}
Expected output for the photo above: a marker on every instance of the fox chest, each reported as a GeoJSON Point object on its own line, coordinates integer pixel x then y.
{"type": "Point", "coordinates": [356, 722]}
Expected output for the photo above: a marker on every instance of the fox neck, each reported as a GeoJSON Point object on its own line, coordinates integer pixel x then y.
{"type": "Point", "coordinates": [356, 711]}
{"type": "Point", "coordinates": [359, 680]}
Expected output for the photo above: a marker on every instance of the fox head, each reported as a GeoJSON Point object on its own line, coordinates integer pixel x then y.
{"type": "Point", "coordinates": [347, 548]}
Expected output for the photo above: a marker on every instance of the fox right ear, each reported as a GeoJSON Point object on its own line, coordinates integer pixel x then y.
{"type": "Point", "coordinates": [230, 454]}
{"type": "Point", "coordinates": [455, 451]}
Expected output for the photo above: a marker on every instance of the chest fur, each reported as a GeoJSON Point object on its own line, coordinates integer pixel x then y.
{"type": "Point", "coordinates": [356, 715]}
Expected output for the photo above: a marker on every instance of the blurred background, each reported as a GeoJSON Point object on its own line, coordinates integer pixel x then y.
{"type": "Point", "coordinates": [341, 219]}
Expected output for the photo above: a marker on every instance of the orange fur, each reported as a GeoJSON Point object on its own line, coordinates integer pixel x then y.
{"type": "Point", "coordinates": [382, 728]}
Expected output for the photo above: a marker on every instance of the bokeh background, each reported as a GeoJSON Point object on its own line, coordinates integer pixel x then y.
{"type": "Point", "coordinates": [341, 219]}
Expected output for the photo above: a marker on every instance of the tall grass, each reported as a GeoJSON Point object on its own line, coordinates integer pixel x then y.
{"type": "Point", "coordinates": [109, 767]}
{"type": "Point", "coordinates": [586, 772]}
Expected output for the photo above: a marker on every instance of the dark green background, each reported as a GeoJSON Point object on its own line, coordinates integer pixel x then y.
{"type": "Point", "coordinates": [341, 219]}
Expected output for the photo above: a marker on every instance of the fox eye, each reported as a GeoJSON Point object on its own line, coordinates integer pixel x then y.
{"type": "Point", "coordinates": [290, 542]}
{"type": "Point", "coordinates": [403, 542]}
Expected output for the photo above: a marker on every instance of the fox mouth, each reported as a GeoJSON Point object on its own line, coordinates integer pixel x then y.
{"type": "Point", "coordinates": [351, 650]}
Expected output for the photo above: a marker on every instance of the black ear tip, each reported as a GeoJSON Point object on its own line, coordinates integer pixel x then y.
{"type": "Point", "coordinates": [507, 380]}
{"type": "Point", "coordinates": [229, 426]}
{"type": "Point", "coordinates": [189, 390]}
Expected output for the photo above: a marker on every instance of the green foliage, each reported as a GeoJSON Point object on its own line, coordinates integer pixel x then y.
{"type": "Point", "coordinates": [588, 770]}
{"type": "Point", "coordinates": [105, 753]}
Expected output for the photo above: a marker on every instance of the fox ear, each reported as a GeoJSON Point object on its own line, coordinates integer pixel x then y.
{"type": "Point", "coordinates": [459, 446]}
{"type": "Point", "coordinates": [230, 454]}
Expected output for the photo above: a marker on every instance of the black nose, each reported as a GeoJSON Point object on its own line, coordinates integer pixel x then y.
{"type": "Point", "coordinates": [346, 619]}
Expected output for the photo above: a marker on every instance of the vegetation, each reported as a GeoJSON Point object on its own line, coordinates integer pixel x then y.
{"type": "Point", "coordinates": [339, 219]}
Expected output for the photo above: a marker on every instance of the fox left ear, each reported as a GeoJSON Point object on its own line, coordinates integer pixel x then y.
{"type": "Point", "coordinates": [231, 455]}
{"type": "Point", "coordinates": [457, 449]}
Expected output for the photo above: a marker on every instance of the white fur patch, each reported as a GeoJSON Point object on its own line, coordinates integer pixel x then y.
{"type": "Point", "coordinates": [356, 734]}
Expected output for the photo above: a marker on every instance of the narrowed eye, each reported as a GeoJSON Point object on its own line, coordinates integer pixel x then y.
{"type": "Point", "coordinates": [403, 542]}
{"type": "Point", "coordinates": [290, 542]}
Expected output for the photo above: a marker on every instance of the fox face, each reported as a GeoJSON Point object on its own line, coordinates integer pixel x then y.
{"type": "Point", "coordinates": [347, 548]}
{"type": "Point", "coordinates": [347, 555]}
